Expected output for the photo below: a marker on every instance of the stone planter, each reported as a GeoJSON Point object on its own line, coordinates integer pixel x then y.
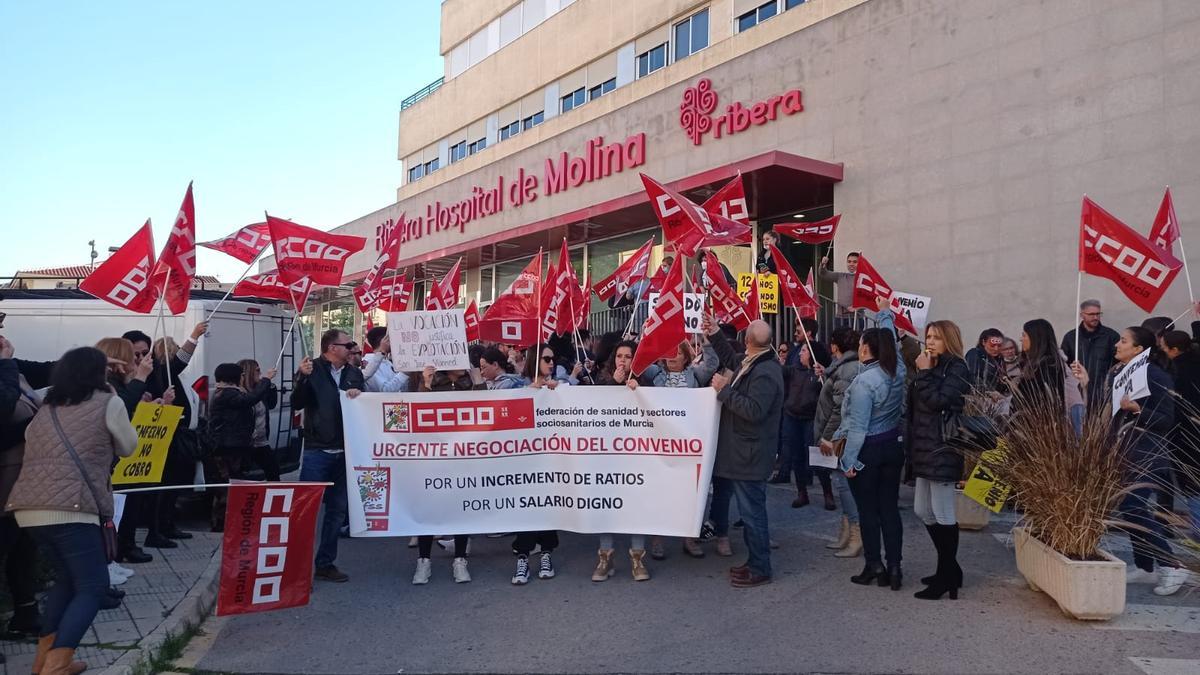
{"type": "Point", "coordinates": [971, 514]}
{"type": "Point", "coordinates": [1093, 590]}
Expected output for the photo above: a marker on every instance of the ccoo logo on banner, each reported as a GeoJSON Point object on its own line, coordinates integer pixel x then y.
{"type": "Point", "coordinates": [267, 550]}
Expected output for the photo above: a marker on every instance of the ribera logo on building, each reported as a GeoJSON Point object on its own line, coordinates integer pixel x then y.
{"type": "Point", "coordinates": [699, 103]}
{"type": "Point", "coordinates": [559, 174]}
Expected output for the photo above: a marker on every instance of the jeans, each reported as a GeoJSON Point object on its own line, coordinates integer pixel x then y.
{"type": "Point", "coordinates": [846, 497]}
{"type": "Point", "coordinates": [637, 542]}
{"type": "Point", "coordinates": [1149, 546]}
{"type": "Point", "coordinates": [752, 507]}
{"type": "Point", "coordinates": [1077, 415]}
{"type": "Point", "coordinates": [797, 438]}
{"type": "Point", "coordinates": [525, 541]}
{"type": "Point", "coordinates": [81, 579]}
{"type": "Point", "coordinates": [1193, 504]}
{"type": "Point", "coordinates": [321, 466]}
{"type": "Point", "coordinates": [877, 492]}
{"type": "Point", "coordinates": [225, 467]}
{"type": "Point", "coordinates": [265, 459]}
{"type": "Point", "coordinates": [933, 502]}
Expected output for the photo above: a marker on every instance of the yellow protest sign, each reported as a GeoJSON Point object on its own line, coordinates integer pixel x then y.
{"type": "Point", "coordinates": [155, 425]}
{"type": "Point", "coordinates": [984, 486]}
{"type": "Point", "coordinates": [768, 291]}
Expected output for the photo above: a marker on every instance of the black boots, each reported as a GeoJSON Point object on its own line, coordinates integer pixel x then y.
{"type": "Point", "coordinates": [872, 572]}
{"type": "Point", "coordinates": [948, 577]}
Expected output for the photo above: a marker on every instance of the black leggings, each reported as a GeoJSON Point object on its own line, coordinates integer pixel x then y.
{"type": "Point", "coordinates": [525, 541]}
{"type": "Point", "coordinates": [876, 490]}
{"type": "Point", "coordinates": [425, 545]}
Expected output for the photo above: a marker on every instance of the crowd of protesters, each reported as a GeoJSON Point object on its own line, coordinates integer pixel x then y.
{"type": "Point", "coordinates": [871, 402]}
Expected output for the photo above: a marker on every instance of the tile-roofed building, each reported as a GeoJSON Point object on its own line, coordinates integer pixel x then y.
{"type": "Point", "coordinates": [71, 275]}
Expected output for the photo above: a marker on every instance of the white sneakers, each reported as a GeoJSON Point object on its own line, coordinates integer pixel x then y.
{"type": "Point", "coordinates": [521, 575]}
{"type": "Point", "coordinates": [1171, 579]}
{"type": "Point", "coordinates": [1137, 575]}
{"type": "Point", "coordinates": [117, 574]}
{"type": "Point", "coordinates": [546, 571]}
{"type": "Point", "coordinates": [423, 572]}
{"type": "Point", "coordinates": [461, 575]}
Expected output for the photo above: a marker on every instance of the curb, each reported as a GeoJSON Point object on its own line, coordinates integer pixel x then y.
{"type": "Point", "coordinates": [190, 612]}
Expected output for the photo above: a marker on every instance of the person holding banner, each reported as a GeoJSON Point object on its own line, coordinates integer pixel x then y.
{"type": "Point", "coordinates": [614, 374]}
{"type": "Point", "coordinates": [1140, 429]}
{"type": "Point", "coordinates": [546, 540]}
{"type": "Point", "coordinates": [231, 417]}
{"type": "Point", "coordinates": [873, 456]}
{"type": "Point", "coordinates": [751, 404]}
{"type": "Point", "coordinates": [64, 499]}
{"type": "Point", "coordinates": [318, 388]}
{"type": "Point", "coordinates": [493, 367]}
{"type": "Point", "coordinates": [544, 371]}
{"type": "Point", "coordinates": [939, 391]}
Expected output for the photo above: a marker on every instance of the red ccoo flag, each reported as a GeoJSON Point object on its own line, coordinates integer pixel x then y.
{"type": "Point", "coordinates": [868, 285]}
{"type": "Point", "coordinates": [266, 563]}
{"type": "Point", "coordinates": [729, 202]}
{"type": "Point", "coordinates": [177, 264]}
{"type": "Point", "coordinates": [1165, 230]}
{"type": "Point", "coordinates": [395, 294]}
{"type": "Point", "coordinates": [795, 294]}
{"type": "Point", "coordinates": [371, 291]}
{"type": "Point", "coordinates": [444, 294]}
{"type": "Point", "coordinates": [1111, 249]}
{"type": "Point", "coordinates": [246, 244]}
{"type": "Point", "coordinates": [562, 299]}
{"type": "Point", "coordinates": [513, 318]}
{"type": "Point", "coordinates": [753, 304]}
{"type": "Point", "coordinates": [304, 252]}
{"type": "Point", "coordinates": [471, 320]}
{"type": "Point", "coordinates": [124, 279]}
{"type": "Point", "coordinates": [627, 274]}
{"type": "Point", "coordinates": [664, 328]}
{"type": "Point", "coordinates": [811, 233]}
{"type": "Point", "coordinates": [727, 307]}
{"type": "Point", "coordinates": [271, 287]}
{"type": "Point", "coordinates": [686, 226]}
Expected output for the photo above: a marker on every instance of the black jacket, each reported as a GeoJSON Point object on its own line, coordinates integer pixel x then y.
{"type": "Point", "coordinates": [129, 392]}
{"type": "Point", "coordinates": [158, 381]}
{"type": "Point", "coordinates": [935, 393]}
{"type": "Point", "coordinates": [985, 370]}
{"type": "Point", "coordinates": [1097, 353]}
{"type": "Point", "coordinates": [748, 437]}
{"type": "Point", "coordinates": [803, 389]}
{"type": "Point", "coordinates": [319, 398]}
{"type": "Point", "coordinates": [1185, 437]}
{"type": "Point", "coordinates": [1143, 437]}
{"type": "Point", "coordinates": [1042, 384]}
{"type": "Point", "coordinates": [231, 415]}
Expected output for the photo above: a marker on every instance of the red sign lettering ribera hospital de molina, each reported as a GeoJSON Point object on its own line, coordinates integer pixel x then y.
{"type": "Point", "coordinates": [699, 103]}
{"type": "Point", "coordinates": [559, 174]}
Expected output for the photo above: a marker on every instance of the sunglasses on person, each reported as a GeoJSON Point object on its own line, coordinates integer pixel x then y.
{"type": "Point", "coordinates": [548, 359]}
{"type": "Point", "coordinates": [137, 354]}
{"type": "Point", "coordinates": [347, 345]}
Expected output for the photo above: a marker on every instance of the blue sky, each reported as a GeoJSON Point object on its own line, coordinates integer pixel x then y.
{"type": "Point", "coordinates": [110, 108]}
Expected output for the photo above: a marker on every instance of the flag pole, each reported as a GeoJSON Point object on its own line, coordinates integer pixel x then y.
{"type": "Point", "coordinates": [1187, 274]}
{"type": "Point", "coordinates": [1078, 299]}
{"type": "Point", "coordinates": [812, 355]}
{"type": "Point", "coordinates": [228, 293]}
{"type": "Point", "coordinates": [633, 314]}
{"type": "Point", "coordinates": [162, 319]}
{"type": "Point", "coordinates": [287, 340]}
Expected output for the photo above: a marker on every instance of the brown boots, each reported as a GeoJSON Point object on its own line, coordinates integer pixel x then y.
{"type": "Point", "coordinates": [637, 559]}
{"type": "Point", "coordinates": [59, 661]}
{"type": "Point", "coordinates": [604, 565]}
{"type": "Point", "coordinates": [854, 545]}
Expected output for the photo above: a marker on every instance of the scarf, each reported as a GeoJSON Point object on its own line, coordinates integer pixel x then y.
{"type": "Point", "coordinates": [748, 362]}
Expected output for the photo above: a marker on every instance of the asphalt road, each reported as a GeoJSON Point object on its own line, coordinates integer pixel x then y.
{"type": "Point", "coordinates": [688, 619]}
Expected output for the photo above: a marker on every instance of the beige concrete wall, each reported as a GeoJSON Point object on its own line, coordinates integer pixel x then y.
{"type": "Point", "coordinates": [462, 18]}
{"type": "Point", "coordinates": [572, 38]}
{"type": "Point", "coordinates": [444, 105]}
{"type": "Point", "coordinates": [969, 131]}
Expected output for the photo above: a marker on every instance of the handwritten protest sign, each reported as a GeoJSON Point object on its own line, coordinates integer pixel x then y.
{"type": "Point", "coordinates": [986, 487]}
{"type": "Point", "coordinates": [768, 291]}
{"type": "Point", "coordinates": [693, 310]}
{"type": "Point", "coordinates": [914, 307]}
{"type": "Point", "coordinates": [437, 338]}
{"type": "Point", "coordinates": [155, 425]}
{"type": "Point", "coordinates": [1131, 381]}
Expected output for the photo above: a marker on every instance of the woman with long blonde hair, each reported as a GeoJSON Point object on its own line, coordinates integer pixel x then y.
{"type": "Point", "coordinates": [940, 389]}
{"type": "Point", "coordinates": [262, 452]}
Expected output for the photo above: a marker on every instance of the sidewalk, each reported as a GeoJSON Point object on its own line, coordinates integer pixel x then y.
{"type": "Point", "coordinates": [157, 588]}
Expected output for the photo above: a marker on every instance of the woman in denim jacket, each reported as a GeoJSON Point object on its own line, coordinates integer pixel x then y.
{"type": "Point", "coordinates": [873, 459]}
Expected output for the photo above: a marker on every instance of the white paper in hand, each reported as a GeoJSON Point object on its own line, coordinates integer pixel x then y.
{"type": "Point", "coordinates": [816, 459]}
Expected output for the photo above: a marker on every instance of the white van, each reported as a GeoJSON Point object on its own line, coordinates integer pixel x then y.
{"type": "Point", "coordinates": [43, 324]}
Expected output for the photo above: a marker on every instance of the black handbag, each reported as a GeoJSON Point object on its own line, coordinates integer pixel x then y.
{"type": "Point", "coordinates": [108, 529]}
{"type": "Point", "coordinates": [968, 432]}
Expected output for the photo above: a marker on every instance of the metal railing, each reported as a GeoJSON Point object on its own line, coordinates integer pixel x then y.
{"type": "Point", "coordinates": [422, 93]}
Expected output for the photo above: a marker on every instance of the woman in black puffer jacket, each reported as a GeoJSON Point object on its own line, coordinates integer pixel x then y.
{"type": "Point", "coordinates": [231, 419]}
{"type": "Point", "coordinates": [942, 383]}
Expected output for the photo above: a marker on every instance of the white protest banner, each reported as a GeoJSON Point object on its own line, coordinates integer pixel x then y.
{"type": "Point", "coordinates": [1131, 381]}
{"type": "Point", "coordinates": [583, 459]}
{"type": "Point", "coordinates": [693, 310]}
{"type": "Point", "coordinates": [435, 337]}
{"type": "Point", "coordinates": [915, 307]}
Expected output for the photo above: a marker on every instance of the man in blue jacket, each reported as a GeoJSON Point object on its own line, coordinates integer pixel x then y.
{"type": "Point", "coordinates": [318, 387]}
